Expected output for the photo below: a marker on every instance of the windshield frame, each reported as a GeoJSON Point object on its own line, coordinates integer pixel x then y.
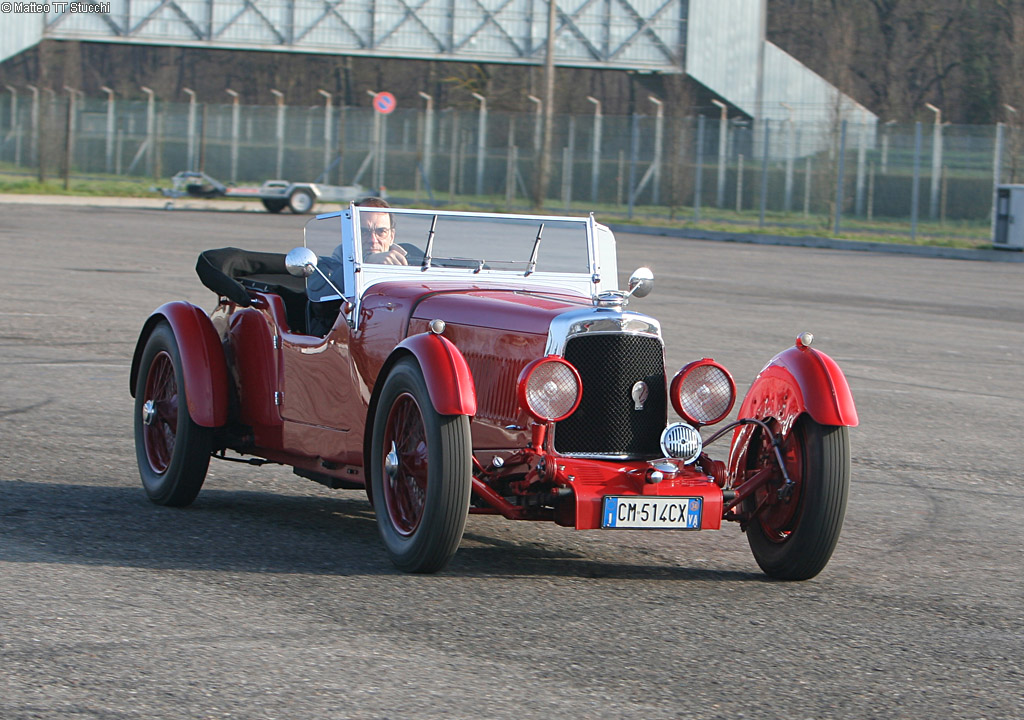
{"type": "Point", "coordinates": [360, 276]}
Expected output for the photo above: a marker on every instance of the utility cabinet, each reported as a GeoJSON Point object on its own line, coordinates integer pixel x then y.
{"type": "Point", "coordinates": [1008, 230]}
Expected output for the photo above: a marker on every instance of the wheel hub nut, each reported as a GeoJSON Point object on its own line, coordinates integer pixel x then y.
{"type": "Point", "coordinates": [148, 412]}
{"type": "Point", "coordinates": [391, 462]}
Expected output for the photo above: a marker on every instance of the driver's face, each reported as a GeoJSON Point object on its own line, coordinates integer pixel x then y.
{"type": "Point", "coordinates": [376, 232]}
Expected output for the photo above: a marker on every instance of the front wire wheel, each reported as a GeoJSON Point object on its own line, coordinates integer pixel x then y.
{"type": "Point", "coordinates": [420, 473]}
{"type": "Point", "coordinates": [794, 539]}
{"type": "Point", "coordinates": [173, 452]}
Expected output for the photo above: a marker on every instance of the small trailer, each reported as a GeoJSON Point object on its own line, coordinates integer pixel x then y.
{"type": "Point", "coordinates": [276, 195]}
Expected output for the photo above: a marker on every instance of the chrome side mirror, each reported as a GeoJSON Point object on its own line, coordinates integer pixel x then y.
{"type": "Point", "coordinates": [641, 282]}
{"type": "Point", "coordinates": [300, 262]}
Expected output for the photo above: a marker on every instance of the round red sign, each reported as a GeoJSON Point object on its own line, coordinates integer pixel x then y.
{"type": "Point", "coordinates": [384, 102]}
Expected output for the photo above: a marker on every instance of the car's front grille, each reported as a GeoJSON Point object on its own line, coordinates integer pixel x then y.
{"type": "Point", "coordinates": [607, 421]}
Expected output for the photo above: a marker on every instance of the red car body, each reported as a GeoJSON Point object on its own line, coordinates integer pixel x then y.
{"type": "Point", "coordinates": [257, 385]}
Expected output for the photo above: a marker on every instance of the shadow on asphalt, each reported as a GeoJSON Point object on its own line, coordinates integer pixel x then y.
{"type": "Point", "coordinates": [244, 531]}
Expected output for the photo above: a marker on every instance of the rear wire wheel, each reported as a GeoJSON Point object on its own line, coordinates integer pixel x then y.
{"type": "Point", "coordinates": [420, 473]}
{"type": "Point", "coordinates": [794, 539]}
{"type": "Point", "coordinates": [172, 451]}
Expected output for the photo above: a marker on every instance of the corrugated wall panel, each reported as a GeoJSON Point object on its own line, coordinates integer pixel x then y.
{"type": "Point", "coordinates": [723, 40]}
{"type": "Point", "coordinates": [19, 31]}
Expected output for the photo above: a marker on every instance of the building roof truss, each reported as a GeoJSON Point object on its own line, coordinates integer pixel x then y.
{"type": "Point", "coordinates": [643, 25]}
{"type": "Point", "coordinates": [410, 13]}
{"type": "Point", "coordinates": [275, 21]}
{"type": "Point", "coordinates": [490, 17]}
{"type": "Point", "coordinates": [249, 6]}
{"type": "Point", "coordinates": [331, 10]}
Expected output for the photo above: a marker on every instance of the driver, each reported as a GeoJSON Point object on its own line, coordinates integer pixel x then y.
{"type": "Point", "coordinates": [377, 230]}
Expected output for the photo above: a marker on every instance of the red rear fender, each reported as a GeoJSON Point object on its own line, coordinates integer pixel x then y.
{"type": "Point", "coordinates": [202, 360]}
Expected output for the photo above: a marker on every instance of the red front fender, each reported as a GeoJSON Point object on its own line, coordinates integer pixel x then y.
{"type": "Point", "coordinates": [801, 379]}
{"type": "Point", "coordinates": [202, 360]}
{"type": "Point", "coordinates": [797, 380]}
{"type": "Point", "coordinates": [449, 381]}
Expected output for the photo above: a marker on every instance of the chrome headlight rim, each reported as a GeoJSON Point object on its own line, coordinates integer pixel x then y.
{"type": "Point", "coordinates": [676, 391]}
{"type": "Point", "coordinates": [523, 388]}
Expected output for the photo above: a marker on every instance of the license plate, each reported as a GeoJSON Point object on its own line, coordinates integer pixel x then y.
{"type": "Point", "coordinates": [679, 513]}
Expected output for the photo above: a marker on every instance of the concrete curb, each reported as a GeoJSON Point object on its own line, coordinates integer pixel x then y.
{"type": "Point", "coordinates": [931, 251]}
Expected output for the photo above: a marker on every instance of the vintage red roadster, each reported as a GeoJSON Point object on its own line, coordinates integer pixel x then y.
{"type": "Point", "coordinates": [494, 369]}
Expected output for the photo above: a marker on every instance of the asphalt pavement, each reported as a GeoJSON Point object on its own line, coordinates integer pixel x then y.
{"type": "Point", "coordinates": [271, 596]}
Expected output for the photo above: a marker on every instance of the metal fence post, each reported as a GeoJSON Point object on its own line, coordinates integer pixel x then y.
{"type": "Point", "coordinates": [659, 125]}
{"type": "Point", "coordinates": [454, 156]}
{"type": "Point", "coordinates": [15, 130]}
{"type": "Point", "coordinates": [595, 145]}
{"type": "Point", "coordinates": [111, 124]}
{"type": "Point", "coordinates": [697, 184]}
{"type": "Point", "coordinates": [871, 190]}
{"type": "Point", "coordinates": [739, 183]}
{"type": "Point", "coordinates": [328, 124]}
{"type": "Point", "coordinates": [428, 139]}
{"type": "Point", "coordinates": [538, 122]}
{"type": "Point", "coordinates": [764, 174]}
{"type": "Point", "coordinates": [191, 130]}
{"type": "Point", "coordinates": [807, 186]}
{"type": "Point", "coordinates": [915, 191]}
{"type": "Point", "coordinates": [933, 204]}
{"type": "Point", "coordinates": [34, 122]}
{"type": "Point", "coordinates": [568, 163]}
{"type": "Point", "coordinates": [723, 141]}
{"type": "Point", "coordinates": [885, 147]}
{"type": "Point", "coordinates": [279, 167]}
{"type": "Point", "coordinates": [150, 129]}
{"type": "Point", "coordinates": [235, 128]}
{"type": "Point", "coordinates": [382, 144]}
{"type": "Point", "coordinates": [481, 143]}
{"type": "Point", "coordinates": [997, 171]}
{"type": "Point", "coordinates": [790, 158]}
{"type": "Point", "coordinates": [69, 136]}
{"type": "Point", "coordinates": [839, 178]}
{"type": "Point", "coordinates": [619, 176]}
{"type": "Point", "coordinates": [510, 177]}
{"type": "Point", "coordinates": [862, 150]}
{"type": "Point", "coordinates": [510, 165]}
{"type": "Point", "coordinates": [634, 149]}
{"type": "Point", "coordinates": [566, 177]}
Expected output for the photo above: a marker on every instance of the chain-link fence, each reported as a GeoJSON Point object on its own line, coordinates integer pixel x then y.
{"type": "Point", "coordinates": [839, 176]}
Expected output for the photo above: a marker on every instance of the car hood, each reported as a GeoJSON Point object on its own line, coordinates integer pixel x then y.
{"type": "Point", "coordinates": [510, 309]}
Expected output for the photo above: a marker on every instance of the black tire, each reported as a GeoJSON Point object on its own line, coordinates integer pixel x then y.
{"type": "Point", "coordinates": [301, 201]}
{"type": "Point", "coordinates": [173, 452]}
{"type": "Point", "coordinates": [275, 206]}
{"type": "Point", "coordinates": [795, 540]}
{"type": "Point", "coordinates": [421, 526]}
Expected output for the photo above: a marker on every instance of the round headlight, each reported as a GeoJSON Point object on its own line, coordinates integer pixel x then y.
{"type": "Point", "coordinates": [549, 389]}
{"type": "Point", "coordinates": [703, 392]}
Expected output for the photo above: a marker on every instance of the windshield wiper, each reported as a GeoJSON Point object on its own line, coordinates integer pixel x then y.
{"type": "Point", "coordinates": [430, 245]}
{"type": "Point", "coordinates": [532, 265]}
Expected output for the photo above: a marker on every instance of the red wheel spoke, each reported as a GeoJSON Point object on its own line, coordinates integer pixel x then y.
{"type": "Point", "coordinates": [406, 491]}
{"type": "Point", "coordinates": [777, 516]}
{"type": "Point", "coordinates": [161, 428]}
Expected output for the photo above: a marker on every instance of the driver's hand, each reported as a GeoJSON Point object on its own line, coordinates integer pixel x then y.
{"type": "Point", "coordinates": [395, 255]}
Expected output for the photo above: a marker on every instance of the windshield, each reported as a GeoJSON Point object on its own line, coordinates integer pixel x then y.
{"type": "Point", "coordinates": [391, 243]}
{"type": "Point", "coordinates": [479, 242]}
